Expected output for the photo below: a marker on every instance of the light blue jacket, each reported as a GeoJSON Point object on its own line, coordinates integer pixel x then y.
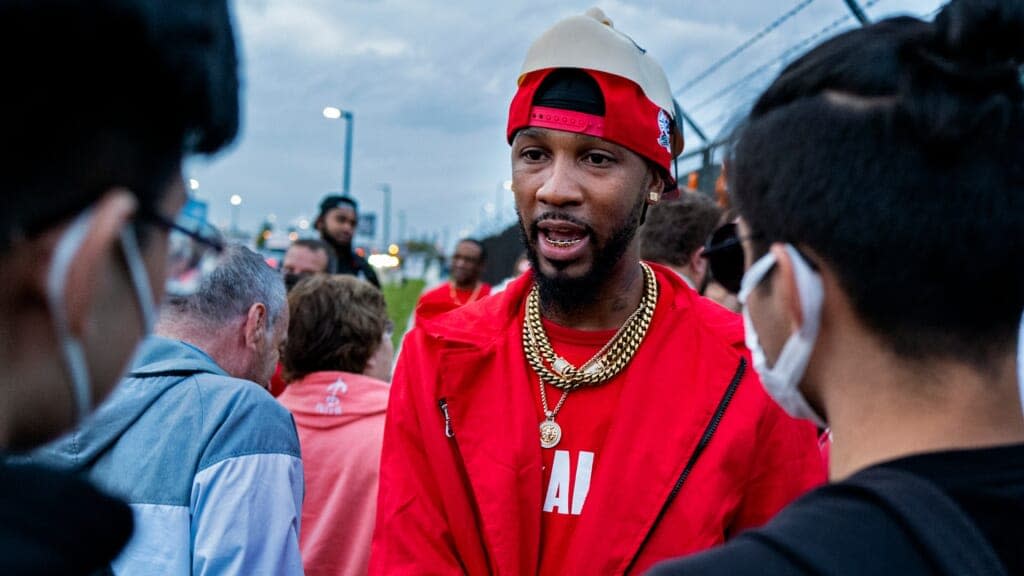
{"type": "Point", "coordinates": [209, 463]}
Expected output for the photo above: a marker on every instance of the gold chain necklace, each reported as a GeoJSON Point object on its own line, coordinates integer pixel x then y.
{"type": "Point", "coordinates": [455, 297]}
{"type": "Point", "coordinates": [603, 366]}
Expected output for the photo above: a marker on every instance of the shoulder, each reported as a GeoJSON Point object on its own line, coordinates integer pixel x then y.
{"type": "Point", "coordinates": [57, 520]}
{"type": "Point", "coordinates": [479, 322]}
{"type": "Point", "coordinates": [241, 418]}
{"type": "Point", "coordinates": [690, 309]}
{"type": "Point", "coordinates": [831, 530]}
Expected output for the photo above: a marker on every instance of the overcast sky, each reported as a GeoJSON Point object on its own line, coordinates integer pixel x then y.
{"type": "Point", "coordinates": [429, 85]}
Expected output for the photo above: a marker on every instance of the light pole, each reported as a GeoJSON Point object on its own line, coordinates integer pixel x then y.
{"type": "Point", "coordinates": [386, 189]}
{"type": "Point", "coordinates": [236, 203]}
{"type": "Point", "coordinates": [332, 113]}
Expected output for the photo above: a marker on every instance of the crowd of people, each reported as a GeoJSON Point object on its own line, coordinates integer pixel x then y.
{"type": "Point", "coordinates": [805, 383]}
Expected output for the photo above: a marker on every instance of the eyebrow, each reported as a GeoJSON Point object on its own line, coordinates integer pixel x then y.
{"type": "Point", "coordinates": [539, 133]}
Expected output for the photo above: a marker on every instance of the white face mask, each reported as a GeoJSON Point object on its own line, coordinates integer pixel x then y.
{"type": "Point", "coordinates": [71, 347]}
{"type": "Point", "coordinates": [782, 381]}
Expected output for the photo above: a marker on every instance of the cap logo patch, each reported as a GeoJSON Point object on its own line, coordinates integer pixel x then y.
{"type": "Point", "coordinates": [664, 131]}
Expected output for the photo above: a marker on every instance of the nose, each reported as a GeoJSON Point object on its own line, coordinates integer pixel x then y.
{"type": "Point", "coordinates": [560, 186]}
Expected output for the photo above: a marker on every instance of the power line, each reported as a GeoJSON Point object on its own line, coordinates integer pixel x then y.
{"type": "Point", "coordinates": [781, 58]}
{"type": "Point", "coordinates": [714, 67]}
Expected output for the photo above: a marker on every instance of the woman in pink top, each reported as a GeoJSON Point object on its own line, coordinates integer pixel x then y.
{"type": "Point", "coordinates": [337, 361]}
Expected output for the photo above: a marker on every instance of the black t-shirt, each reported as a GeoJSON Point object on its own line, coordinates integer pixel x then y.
{"type": "Point", "coordinates": [839, 530]}
{"type": "Point", "coordinates": [55, 523]}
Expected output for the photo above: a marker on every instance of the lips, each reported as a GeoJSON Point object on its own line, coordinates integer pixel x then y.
{"type": "Point", "coordinates": [561, 240]}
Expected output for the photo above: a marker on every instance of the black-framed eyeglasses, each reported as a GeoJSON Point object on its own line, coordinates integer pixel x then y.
{"type": "Point", "coordinates": [193, 249]}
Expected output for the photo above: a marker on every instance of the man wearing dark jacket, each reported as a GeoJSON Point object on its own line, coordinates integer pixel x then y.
{"type": "Point", "coordinates": [869, 176]}
{"type": "Point", "coordinates": [337, 224]}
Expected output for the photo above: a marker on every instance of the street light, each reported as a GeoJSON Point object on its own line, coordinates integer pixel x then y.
{"type": "Point", "coordinates": [332, 113]}
{"type": "Point", "coordinates": [236, 203]}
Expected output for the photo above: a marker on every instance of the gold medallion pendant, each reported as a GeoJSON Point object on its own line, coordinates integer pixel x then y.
{"type": "Point", "coordinates": [550, 433]}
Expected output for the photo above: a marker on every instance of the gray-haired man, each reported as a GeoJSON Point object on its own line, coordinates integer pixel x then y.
{"type": "Point", "coordinates": [207, 459]}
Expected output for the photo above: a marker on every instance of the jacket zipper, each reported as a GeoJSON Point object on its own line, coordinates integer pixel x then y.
{"type": "Point", "coordinates": [443, 405]}
{"type": "Point", "coordinates": [705, 439]}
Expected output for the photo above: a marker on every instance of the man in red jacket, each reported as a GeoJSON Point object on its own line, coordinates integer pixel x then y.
{"type": "Point", "coordinates": [465, 285]}
{"type": "Point", "coordinates": [598, 415]}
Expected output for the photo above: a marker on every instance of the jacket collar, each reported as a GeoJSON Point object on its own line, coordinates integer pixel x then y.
{"type": "Point", "coordinates": [158, 354]}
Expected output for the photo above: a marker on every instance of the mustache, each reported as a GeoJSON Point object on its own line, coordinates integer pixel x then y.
{"type": "Point", "coordinates": [554, 216]}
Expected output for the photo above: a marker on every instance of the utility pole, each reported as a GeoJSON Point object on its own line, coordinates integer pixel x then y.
{"type": "Point", "coordinates": [386, 189]}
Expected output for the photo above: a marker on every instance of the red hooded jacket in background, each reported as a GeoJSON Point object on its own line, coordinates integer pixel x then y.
{"type": "Point", "coordinates": [340, 419]}
{"type": "Point", "coordinates": [700, 451]}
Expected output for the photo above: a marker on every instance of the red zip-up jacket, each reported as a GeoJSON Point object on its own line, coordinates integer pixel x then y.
{"type": "Point", "coordinates": [701, 452]}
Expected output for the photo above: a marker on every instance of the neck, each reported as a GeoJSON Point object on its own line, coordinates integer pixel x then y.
{"type": "Point", "coordinates": [610, 302]}
{"type": "Point", "coordinates": [222, 345]}
{"type": "Point", "coordinates": [879, 410]}
{"type": "Point", "coordinates": [468, 285]}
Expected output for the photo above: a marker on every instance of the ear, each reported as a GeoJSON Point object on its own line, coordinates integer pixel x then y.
{"type": "Point", "coordinates": [256, 326]}
{"type": "Point", "coordinates": [94, 257]}
{"type": "Point", "coordinates": [699, 264]}
{"type": "Point", "coordinates": [784, 287]}
{"type": "Point", "coordinates": [655, 187]}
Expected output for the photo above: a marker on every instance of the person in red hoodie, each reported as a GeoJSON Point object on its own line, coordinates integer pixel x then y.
{"type": "Point", "coordinates": [598, 415]}
{"type": "Point", "coordinates": [463, 288]}
{"type": "Point", "coordinates": [337, 360]}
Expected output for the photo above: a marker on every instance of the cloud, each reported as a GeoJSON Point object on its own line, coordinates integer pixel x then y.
{"type": "Point", "coordinates": [309, 31]}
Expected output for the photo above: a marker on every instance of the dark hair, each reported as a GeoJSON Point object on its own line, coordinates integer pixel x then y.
{"type": "Point", "coordinates": [893, 153]}
{"type": "Point", "coordinates": [479, 244]}
{"type": "Point", "coordinates": [675, 229]}
{"type": "Point", "coordinates": [320, 246]}
{"type": "Point", "coordinates": [108, 93]}
{"type": "Point", "coordinates": [333, 201]}
{"type": "Point", "coordinates": [337, 323]}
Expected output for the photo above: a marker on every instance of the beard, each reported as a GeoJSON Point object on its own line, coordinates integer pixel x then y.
{"type": "Point", "coordinates": [568, 295]}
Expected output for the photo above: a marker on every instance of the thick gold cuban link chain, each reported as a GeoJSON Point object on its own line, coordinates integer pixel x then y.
{"type": "Point", "coordinates": [608, 362]}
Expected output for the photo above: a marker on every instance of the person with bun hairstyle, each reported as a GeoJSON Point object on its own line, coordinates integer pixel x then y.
{"type": "Point", "coordinates": [869, 177]}
{"type": "Point", "coordinates": [598, 415]}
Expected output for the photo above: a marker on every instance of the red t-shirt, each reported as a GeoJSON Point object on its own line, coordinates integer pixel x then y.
{"type": "Point", "coordinates": [585, 419]}
{"type": "Point", "coordinates": [446, 298]}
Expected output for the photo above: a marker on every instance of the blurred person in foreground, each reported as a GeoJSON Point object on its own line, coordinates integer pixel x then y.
{"type": "Point", "coordinates": [674, 235]}
{"type": "Point", "coordinates": [869, 176]}
{"type": "Point", "coordinates": [207, 459]}
{"type": "Point", "coordinates": [307, 257]}
{"type": "Point", "coordinates": [597, 416]}
{"type": "Point", "coordinates": [464, 286]}
{"type": "Point", "coordinates": [88, 238]}
{"type": "Point", "coordinates": [338, 362]}
{"type": "Point", "coordinates": [337, 223]}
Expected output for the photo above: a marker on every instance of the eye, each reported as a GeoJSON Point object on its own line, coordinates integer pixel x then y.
{"type": "Point", "coordinates": [532, 154]}
{"type": "Point", "coordinates": [598, 158]}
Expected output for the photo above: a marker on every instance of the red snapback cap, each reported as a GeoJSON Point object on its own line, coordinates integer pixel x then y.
{"type": "Point", "coordinates": [639, 110]}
